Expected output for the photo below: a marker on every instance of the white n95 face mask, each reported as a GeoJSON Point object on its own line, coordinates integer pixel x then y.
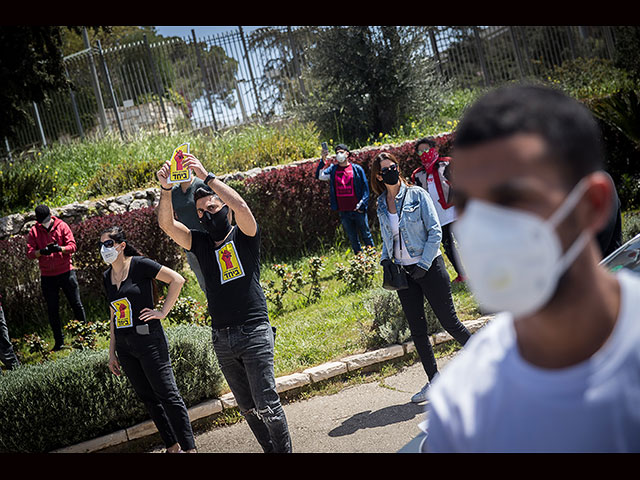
{"type": "Point", "coordinates": [109, 254]}
{"type": "Point", "coordinates": [513, 259]}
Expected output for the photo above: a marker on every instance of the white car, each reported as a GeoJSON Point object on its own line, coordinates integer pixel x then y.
{"type": "Point", "coordinates": [627, 256]}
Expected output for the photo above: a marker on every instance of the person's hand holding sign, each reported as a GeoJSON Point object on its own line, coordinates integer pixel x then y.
{"type": "Point", "coordinates": [189, 161]}
{"type": "Point", "coordinates": [163, 175]}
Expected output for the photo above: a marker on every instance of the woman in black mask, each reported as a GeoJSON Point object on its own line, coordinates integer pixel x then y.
{"type": "Point", "coordinates": [411, 236]}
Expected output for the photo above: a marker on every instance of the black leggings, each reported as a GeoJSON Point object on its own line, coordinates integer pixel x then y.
{"type": "Point", "coordinates": [436, 287]}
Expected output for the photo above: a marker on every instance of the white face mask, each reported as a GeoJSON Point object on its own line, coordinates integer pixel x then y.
{"type": "Point", "coordinates": [341, 157]}
{"type": "Point", "coordinates": [109, 254]}
{"type": "Point", "coordinates": [514, 259]}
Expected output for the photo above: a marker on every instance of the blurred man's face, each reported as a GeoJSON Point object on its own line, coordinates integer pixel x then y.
{"type": "Point", "coordinates": [514, 172]}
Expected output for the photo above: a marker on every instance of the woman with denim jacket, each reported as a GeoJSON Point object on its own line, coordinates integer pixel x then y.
{"type": "Point", "coordinates": [411, 236]}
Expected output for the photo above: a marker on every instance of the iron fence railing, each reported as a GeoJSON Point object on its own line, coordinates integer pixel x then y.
{"type": "Point", "coordinates": [235, 78]}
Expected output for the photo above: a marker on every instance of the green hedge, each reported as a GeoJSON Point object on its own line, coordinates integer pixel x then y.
{"type": "Point", "coordinates": [56, 404]}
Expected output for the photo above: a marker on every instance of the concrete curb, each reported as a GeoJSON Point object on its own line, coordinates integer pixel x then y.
{"type": "Point", "coordinates": [285, 383]}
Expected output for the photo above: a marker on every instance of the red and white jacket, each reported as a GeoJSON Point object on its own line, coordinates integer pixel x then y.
{"type": "Point", "coordinates": [433, 164]}
{"type": "Point", "coordinates": [39, 237]}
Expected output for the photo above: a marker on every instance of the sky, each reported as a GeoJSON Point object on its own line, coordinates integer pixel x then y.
{"type": "Point", "coordinates": [201, 30]}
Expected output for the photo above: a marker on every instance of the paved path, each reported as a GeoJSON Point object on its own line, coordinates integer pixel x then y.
{"type": "Point", "coordinates": [375, 417]}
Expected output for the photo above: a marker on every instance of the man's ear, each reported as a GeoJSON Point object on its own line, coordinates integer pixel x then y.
{"type": "Point", "coordinates": [599, 200]}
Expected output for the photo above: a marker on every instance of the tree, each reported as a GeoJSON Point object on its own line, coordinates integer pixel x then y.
{"type": "Point", "coordinates": [31, 67]}
{"type": "Point", "coordinates": [285, 50]}
{"type": "Point", "coordinates": [367, 80]}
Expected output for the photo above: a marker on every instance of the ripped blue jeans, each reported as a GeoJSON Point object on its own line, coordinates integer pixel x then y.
{"type": "Point", "coordinates": [245, 355]}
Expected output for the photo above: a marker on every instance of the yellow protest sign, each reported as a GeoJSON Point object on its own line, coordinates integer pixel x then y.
{"type": "Point", "coordinates": [123, 317]}
{"type": "Point", "coordinates": [178, 172]}
{"type": "Point", "coordinates": [229, 262]}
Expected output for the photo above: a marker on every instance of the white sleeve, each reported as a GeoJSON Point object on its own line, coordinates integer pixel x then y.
{"type": "Point", "coordinates": [324, 175]}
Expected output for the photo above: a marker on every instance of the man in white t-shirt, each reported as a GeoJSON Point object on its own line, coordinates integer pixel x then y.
{"type": "Point", "coordinates": [558, 370]}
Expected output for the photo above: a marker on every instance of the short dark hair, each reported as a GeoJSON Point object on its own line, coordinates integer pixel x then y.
{"type": "Point", "coordinates": [42, 212]}
{"type": "Point", "coordinates": [426, 140]}
{"type": "Point", "coordinates": [568, 128]}
{"type": "Point", "coordinates": [203, 191]}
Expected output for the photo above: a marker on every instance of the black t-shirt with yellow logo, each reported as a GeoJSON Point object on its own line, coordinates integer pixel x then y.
{"type": "Point", "coordinates": [135, 293]}
{"type": "Point", "coordinates": [232, 277]}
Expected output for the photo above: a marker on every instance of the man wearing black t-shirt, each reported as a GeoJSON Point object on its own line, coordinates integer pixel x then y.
{"type": "Point", "coordinates": [229, 256]}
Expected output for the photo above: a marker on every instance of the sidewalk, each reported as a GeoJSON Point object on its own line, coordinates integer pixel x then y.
{"type": "Point", "coordinates": [376, 417]}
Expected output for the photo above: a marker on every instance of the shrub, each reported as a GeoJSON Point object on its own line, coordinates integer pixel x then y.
{"type": "Point", "coordinates": [85, 335]}
{"type": "Point", "coordinates": [390, 324]}
{"type": "Point", "coordinates": [306, 285]}
{"type": "Point", "coordinates": [587, 78]}
{"type": "Point", "coordinates": [23, 185]}
{"type": "Point", "coordinates": [630, 226]}
{"type": "Point", "coordinates": [359, 272]}
{"type": "Point", "coordinates": [114, 179]}
{"type": "Point", "coordinates": [22, 301]}
{"type": "Point", "coordinates": [292, 209]}
{"type": "Point", "coordinates": [188, 311]}
{"type": "Point", "coordinates": [56, 404]}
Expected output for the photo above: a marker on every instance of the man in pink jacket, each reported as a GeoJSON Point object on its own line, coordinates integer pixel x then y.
{"type": "Point", "coordinates": [51, 242]}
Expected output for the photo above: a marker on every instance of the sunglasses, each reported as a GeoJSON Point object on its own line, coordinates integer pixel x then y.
{"type": "Point", "coordinates": [388, 169]}
{"type": "Point", "coordinates": [107, 243]}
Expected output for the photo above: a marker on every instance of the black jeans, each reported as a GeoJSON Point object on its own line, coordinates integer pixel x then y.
{"type": "Point", "coordinates": [436, 287]}
{"type": "Point", "coordinates": [51, 286]}
{"type": "Point", "coordinates": [245, 355]}
{"type": "Point", "coordinates": [449, 247]}
{"type": "Point", "coordinates": [146, 363]}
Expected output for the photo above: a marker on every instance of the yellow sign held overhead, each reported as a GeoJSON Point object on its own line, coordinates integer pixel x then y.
{"type": "Point", "coordinates": [178, 172]}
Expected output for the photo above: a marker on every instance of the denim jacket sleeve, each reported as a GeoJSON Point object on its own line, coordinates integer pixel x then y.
{"type": "Point", "coordinates": [364, 200]}
{"type": "Point", "coordinates": [434, 230]}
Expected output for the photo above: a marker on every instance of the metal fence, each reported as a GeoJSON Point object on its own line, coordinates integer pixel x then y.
{"type": "Point", "coordinates": [234, 78]}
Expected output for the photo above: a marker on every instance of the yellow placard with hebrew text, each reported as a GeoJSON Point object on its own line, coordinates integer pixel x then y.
{"type": "Point", "coordinates": [123, 317]}
{"type": "Point", "coordinates": [229, 263]}
{"type": "Point", "coordinates": [178, 173]}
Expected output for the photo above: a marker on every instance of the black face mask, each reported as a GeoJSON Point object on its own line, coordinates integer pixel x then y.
{"type": "Point", "coordinates": [216, 224]}
{"type": "Point", "coordinates": [391, 177]}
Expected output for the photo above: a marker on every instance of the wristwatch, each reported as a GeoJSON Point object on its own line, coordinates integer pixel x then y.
{"type": "Point", "coordinates": [210, 176]}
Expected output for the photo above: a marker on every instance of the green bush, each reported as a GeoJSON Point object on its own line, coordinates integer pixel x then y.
{"type": "Point", "coordinates": [23, 185]}
{"type": "Point", "coordinates": [55, 404]}
{"type": "Point", "coordinates": [358, 273]}
{"type": "Point", "coordinates": [588, 78]}
{"type": "Point", "coordinates": [389, 325]}
{"type": "Point", "coordinates": [630, 225]}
